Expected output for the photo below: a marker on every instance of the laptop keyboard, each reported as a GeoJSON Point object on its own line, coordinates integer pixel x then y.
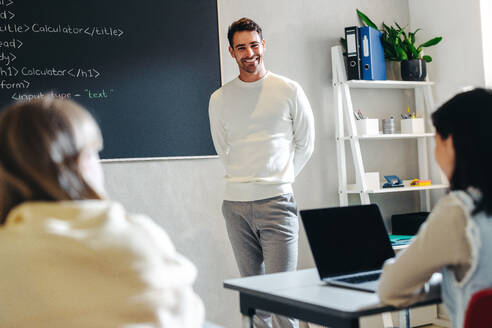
{"type": "Point", "coordinates": [361, 279]}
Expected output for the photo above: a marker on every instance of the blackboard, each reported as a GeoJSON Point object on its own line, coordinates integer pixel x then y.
{"type": "Point", "coordinates": [144, 68]}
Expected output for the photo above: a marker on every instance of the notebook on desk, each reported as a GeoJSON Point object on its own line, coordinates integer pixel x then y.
{"type": "Point", "coordinates": [349, 244]}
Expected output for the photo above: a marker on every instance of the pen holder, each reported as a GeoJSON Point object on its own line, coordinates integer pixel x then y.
{"type": "Point", "coordinates": [412, 126]}
{"type": "Point", "coordinates": [367, 126]}
{"type": "Point", "coordinates": [372, 180]}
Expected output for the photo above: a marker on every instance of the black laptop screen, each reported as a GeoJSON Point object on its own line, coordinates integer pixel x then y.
{"type": "Point", "coordinates": [347, 240]}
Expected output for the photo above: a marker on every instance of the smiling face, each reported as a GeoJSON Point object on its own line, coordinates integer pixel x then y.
{"type": "Point", "coordinates": [248, 49]}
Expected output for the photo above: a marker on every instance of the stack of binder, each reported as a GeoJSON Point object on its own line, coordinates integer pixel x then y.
{"type": "Point", "coordinates": [365, 54]}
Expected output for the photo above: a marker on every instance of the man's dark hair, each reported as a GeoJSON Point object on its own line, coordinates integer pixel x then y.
{"type": "Point", "coordinates": [466, 117]}
{"type": "Point", "coordinates": [243, 24]}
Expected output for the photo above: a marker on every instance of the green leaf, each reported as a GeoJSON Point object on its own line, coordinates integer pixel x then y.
{"type": "Point", "coordinates": [393, 32]}
{"type": "Point", "coordinates": [366, 19]}
{"type": "Point", "coordinates": [428, 59]}
{"type": "Point", "coordinates": [400, 28]}
{"type": "Point", "coordinates": [412, 50]}
{"type": "Point", "coordinates": [431, 42]}
{"type": "Point", "coordinates": [404, 34]}
{"type": "Point", "coordinates": [389, 56]}
{"type": "Point", "coordinates": [389, 51]}
{"type": "Point", "coordinates": [401, 53]}
{"type": "Point", "coordinates": [412, 35]}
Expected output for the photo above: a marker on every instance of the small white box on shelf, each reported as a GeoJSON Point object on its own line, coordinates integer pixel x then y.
{"type": "Point", "coordinates": [367, 126]}
{"type": "Point", "coordinates": [412, 126]}
{"type": "Point", "coordinates": [372, 180]}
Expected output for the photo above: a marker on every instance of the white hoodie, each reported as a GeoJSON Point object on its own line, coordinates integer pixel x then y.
{"type": "Point", "coordinates": [91, 264]}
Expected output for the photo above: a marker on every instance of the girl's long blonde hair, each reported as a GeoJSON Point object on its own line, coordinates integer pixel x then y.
{"type": "Point", "coordinates": [40, 145]}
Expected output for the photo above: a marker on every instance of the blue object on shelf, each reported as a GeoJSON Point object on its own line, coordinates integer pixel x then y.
{"type": "Point", "coordinates": [392, 181]}
{"type": "Point", "coordinates": [373, 66]}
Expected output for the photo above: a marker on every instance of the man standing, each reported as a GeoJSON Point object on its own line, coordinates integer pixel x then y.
{"type": "Point", "coordinates": [263, 130]}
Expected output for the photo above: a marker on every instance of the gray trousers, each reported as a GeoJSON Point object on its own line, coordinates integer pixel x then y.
{"type": "Point", "coordinates": [264, 238]}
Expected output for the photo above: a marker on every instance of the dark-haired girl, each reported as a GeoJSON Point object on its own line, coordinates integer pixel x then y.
{"type": "Point", "coordinates": [457, 236]}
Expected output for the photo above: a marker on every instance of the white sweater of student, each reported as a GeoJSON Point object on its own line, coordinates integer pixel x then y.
{"type": "Point", "coordinates": [91, 264]}
{"type": "Point", "coordinates": [264, 133]}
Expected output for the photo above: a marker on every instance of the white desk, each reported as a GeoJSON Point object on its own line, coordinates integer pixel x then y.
{"type": "Point", "coordinates": [301, 295]}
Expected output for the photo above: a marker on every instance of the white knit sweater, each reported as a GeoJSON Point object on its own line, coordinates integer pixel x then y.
{"type": "Point", "coordinates": [91, 264]}
{"type": "Point", "coordinates": [264, 133]}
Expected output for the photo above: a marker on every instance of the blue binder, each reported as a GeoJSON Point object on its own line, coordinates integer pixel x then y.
{"type": "Point", "coordinates": [372, 54]}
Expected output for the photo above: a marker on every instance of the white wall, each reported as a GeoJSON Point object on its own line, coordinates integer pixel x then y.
{"type": "Point", "coordinates": [458, 59]}
{"type": "Point", "coordinates": [184, 196]}
{"type": "Point", "coordinates": [486, 15]}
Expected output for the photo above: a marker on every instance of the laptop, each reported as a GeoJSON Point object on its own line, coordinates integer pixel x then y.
{"type": "Point", "coordinates": [349, 244]}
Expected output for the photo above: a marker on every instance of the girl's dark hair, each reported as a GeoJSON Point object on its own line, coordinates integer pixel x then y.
{"type": "Point", "coordinates": [243, 24]}
{"type": "Point", "coordinates": [40, 146]}
{"type": "Point", "coordinates": [467, 118]}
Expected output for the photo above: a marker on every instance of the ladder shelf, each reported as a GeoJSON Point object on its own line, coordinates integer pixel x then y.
{"type": "Point", "coordinates": [344, 114]}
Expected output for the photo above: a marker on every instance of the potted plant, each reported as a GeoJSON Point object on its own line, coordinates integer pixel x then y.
{"type": "Point", "coordinates": [400, 46]}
